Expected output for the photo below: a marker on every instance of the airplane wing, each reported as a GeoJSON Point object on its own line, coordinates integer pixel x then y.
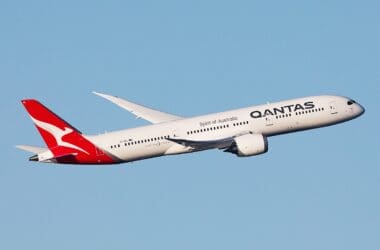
{"type": "Point", "coordinates": [224, 143]}
{"type": "Point", "coordinates": [151, 115]}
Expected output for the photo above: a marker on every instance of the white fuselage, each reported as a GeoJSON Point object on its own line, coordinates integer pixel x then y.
{"type": "Point", "coordinates": [268, 120]}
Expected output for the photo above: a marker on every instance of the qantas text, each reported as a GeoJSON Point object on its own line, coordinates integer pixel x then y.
{"type": "Point", "coordinates": [282, 110]}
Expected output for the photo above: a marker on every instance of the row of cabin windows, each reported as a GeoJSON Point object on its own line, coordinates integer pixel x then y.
{"type": "Point", "coordinates": [240, 123]}
{"type": "Point", "coordinates": [207, 129]}
{"type": "Point", "coordinates": [189, 132]}
{"type": "Point", "coordinates": [215, 128]}
{"type": "Point", "coordinates": [310, 111]}
{"type": "Point", "coordinates": [283, 116]}
{"type": "Point", "coordinates": [141, 141]}
{"type": "Point", "coordinates": [301, 113]}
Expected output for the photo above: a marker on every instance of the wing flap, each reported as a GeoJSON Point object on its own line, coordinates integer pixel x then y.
{"type": "Point", "coordinates": [151, 115]}
{"type": "Point", "coordinates": [203, 145]}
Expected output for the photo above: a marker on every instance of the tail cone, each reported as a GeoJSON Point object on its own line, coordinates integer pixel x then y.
{"type": "Point", "coordinates": [33, 158]}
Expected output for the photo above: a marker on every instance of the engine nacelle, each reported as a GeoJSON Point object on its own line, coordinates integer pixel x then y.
{"type": "Point", "coordinates": [249, 145]}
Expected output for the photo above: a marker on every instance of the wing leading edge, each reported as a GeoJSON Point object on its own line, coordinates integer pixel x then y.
{"type": "Point", "coordinates": [151, 115]}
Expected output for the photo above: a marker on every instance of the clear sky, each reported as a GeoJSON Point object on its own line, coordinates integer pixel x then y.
{"type": "Point", "coordinates": [312, 190]}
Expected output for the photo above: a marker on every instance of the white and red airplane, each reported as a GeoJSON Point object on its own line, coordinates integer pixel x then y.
{"type": "Point", "coordinates": [243, 132]}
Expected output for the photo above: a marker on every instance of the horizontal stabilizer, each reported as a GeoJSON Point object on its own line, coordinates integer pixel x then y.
{"type": "Point", "coordinates": [60, 157]}
{"type": "Point", "coordinates": [151, 115]}
{"type": "Point", "coordinates": [53, 159]}
{"type": "Point", "coordinates": [33, 149]}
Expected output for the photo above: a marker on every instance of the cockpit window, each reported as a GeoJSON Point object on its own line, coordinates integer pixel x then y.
{"type": "Point", "coordinates": [350, 102]}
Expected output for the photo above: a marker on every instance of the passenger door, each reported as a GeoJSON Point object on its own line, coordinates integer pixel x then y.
{"type": "Point", "coordinates": [333, 109]}
{"type": "Point", "coordinates": [268, 120]}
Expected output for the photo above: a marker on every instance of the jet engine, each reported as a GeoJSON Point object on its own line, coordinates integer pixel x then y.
{"type": "Point", "coordinates": [249, 145]}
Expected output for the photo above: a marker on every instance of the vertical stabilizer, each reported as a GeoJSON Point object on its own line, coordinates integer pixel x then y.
{"type": "Point", "coordinates": [62, 138]}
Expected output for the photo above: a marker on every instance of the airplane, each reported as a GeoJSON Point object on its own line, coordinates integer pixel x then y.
{"type": "Point", "coordinates": [243, 132]}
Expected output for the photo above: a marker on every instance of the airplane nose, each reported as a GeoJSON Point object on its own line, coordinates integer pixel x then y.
{"type": "Point", "coordinates": [361, 109]}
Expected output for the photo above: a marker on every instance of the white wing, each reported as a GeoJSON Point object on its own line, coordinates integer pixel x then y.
{"type": "Point", "coordinates": [151, 115]}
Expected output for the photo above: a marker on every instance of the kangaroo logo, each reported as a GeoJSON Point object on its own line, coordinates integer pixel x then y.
{"type": "Point", "coordinates": [58, 134]}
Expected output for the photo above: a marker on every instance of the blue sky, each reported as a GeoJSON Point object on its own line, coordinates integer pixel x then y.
{"type": "Point", "coordinates": [312, 190]}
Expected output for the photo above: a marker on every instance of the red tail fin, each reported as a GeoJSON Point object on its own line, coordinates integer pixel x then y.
{"type": "Point", "coordinates": [61, 137]}
{"type": "Point", "coordinates": [51, 126]}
